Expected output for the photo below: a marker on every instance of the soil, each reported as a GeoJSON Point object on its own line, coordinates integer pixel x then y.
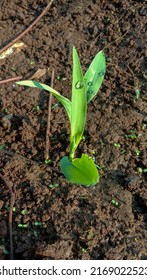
{"type": "Point", "coordinates": [53, 219]}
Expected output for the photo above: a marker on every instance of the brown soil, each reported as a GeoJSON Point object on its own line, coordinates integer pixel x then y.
{"type": "Point", "coordinates": [65, 221]}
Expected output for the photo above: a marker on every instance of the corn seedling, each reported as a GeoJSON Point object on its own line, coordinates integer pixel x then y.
{"type": "Point", "coordinates": [84, 87]}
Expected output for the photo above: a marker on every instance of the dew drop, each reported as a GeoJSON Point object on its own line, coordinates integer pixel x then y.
{"type": "Point", "coordinates": [79, 85]}
{"type": "Point", "coordinates": [90, 83]}
{"type": "Point", "coordinates": [101, 74]}
{"type": "Point", "coordinates": [90, 91]}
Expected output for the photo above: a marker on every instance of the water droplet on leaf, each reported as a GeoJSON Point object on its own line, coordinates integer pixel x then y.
{"type": "Point", "coordinates": [101, 74]}
{"type": "Point", "coordinates": [90, 83]}
{"type": "Point", "coordinates": [90, 91]}
{"type": "Point", "coordinates": [79, 85]}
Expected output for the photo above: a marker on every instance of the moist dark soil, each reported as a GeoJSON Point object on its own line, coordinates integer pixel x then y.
{"type": "Point", "coordinates": [53, 219]}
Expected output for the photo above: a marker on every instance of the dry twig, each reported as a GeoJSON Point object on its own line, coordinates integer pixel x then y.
{"type": "Point", "coordinates": [10, 80]}
{"type": "Point", "coordinates": [27, 29]}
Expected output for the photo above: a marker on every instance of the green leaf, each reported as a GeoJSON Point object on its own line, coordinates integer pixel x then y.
{"type": "Point", "coordinates": [65, 102]}
{"type": "Point", "coordinates": [80, 171]}
{"type": "Point", "coordinates": [78, 105]}
{"type": "Point", "coordinates": [94, 76]}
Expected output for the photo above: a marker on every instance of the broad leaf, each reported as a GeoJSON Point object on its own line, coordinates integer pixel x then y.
{"type": "Point", "coordinates": [80, 171]}
{"type": "Point", "coordinates": [65, 102]}
{"type": "Point", "coordinates": [78, 105]}
{"type": "Point", "coordinates": [94, 76]}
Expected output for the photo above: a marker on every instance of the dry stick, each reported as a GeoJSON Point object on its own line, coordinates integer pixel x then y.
{"type": "Point", "coordinates": [27, 29]}
{"type": "Point", "coordinates": [12, 201]}
{"type": "Point", "coordinates": [47, 146]}
{"type": "Point", "coordinates": [10, 80]}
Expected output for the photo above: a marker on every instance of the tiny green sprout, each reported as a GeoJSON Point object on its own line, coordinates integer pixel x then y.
{"type": "Point", "coordinates": [114, 202]}
{"type": "Point", "coordinates": [90, 235]}
{"type": "Point", "coordinates": [22, 225]}
{"type": "Point", "coordinates": [84, 250]}
{"type": "Point", "coordinates": [24, 212]}
{"type": "Point", "coordinates": [37, 224]}
{"type": "Point", "coordinates": [84, 88]}
{"type": "Point", "coordinates": [61, 78]}
{"type": "Point", "coordinates": [2, 147]}
{"type": "Point", "coordinates": [137, 152]}
{"type": "Point", "coordinates": [35, 233]}
{"type": "Point", "coordinates": [144, 126]}
{"type": "Point", "coordinates": [7, 206]}
{"type": "Point", "coordinates": [123, 152]}
{"type": "Point", "coordinates": [55, 105]}
{"type": "Point", "coordinates": [141, 170]}
{"type": "Point", "coordinates": [47, 161]}
{"type": "Point", "coordinates": [53, 186]}
{"type": "Point", "coordinates": [93, 152]}
{"type": "Point", "coordinates": [5, 251]}
{"type": "Point", "coordinates": [137, 92]}
{"type": "Point", "coordinates": [32, 62]}
{"type": "Point", "coordinates": [82, 198]}
{"type": "Point", "coordinates": [13, 69]}
{"type": "Point", "coordinates": [117, 145]}
{"type": "Point", "coordinates": [37, 108]}
{"type": "Point", "coordinates": [100, 167]}
{"type": "Point", "coordinates": [6, 110]}
{"type": "Point", "coordinates": [132, 134]}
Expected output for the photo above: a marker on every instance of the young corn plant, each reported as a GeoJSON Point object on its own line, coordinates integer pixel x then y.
{"type": "Point", "coordinates": [84, 87]}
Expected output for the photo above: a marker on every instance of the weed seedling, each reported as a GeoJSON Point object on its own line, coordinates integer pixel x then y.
{"type": "Point", "coordinates": [61, 78]}
{"type": "Point", "coordinates": [22, 225]}
{"type": "Point", "coordinates": [37, 108]}
{"type": "Point", "coordinates": [54, 106]}
{"type": "Point", "coordinates": [37, 224]}
{"type": "Point", "coordinates": [2, 147]}
{"type": "Point", "coordinates": [5, 251]}
{"type": "Point", "coordinates": [114, 203]}
{"type": "Point", "coordinates": [141, 170]}
{"type": "Point", "coordinates": [84, 87]}
{"type": "Point", "coordinates": [137, 152]}
{"type": "Point", "coordinates": [47, 161]}
{"type": "Point", "coordinates": [137, 91]}
{"type": "Point", "coordinates": [53, 186]}
{"type": "Point", "coordinates": [144, 126]}
{"type": "Point", "coordinates": [24, 212]}
{"type": "Point", "coordinates": [132, 134]}
{"type": "Point", "coordinates": [117, 145]}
